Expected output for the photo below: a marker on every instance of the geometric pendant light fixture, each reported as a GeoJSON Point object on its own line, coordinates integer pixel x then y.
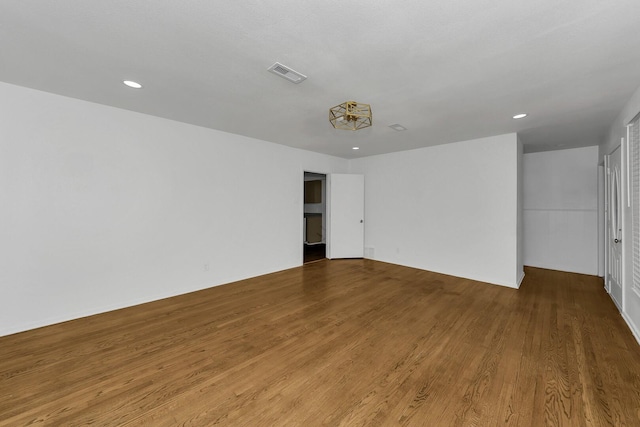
{"type": "Point", "coordinates": [351, 115]}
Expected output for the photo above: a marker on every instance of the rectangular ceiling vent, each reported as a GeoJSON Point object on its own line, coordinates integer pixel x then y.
{"type": "Point", "coordinates": [397, 127]}
{"type": "Point", "coordinates": [287, 73]}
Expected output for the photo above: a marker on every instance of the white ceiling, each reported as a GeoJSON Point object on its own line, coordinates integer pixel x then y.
{"type": "Point", "coordinates": [447, 70]}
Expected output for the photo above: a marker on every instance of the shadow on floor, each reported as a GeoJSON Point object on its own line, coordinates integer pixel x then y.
{"type": "Point", "coordinates": [314, 252]}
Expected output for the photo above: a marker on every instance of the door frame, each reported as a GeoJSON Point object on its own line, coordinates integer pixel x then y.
{"type": "Point", "coordinates": [301, 210]}
{"type": "Point", "coordinates": [605, 221]}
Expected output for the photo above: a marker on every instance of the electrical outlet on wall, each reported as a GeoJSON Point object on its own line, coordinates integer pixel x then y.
{"type": "Point", "coordinates": [206, 267]}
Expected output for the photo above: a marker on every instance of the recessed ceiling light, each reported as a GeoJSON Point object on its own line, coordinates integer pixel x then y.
{"type": "Point", "coordinates": [520, 116]}
{"type": "Point", "coordinates": [397, 127]}
{"type": "Point", "coordinates": [355, 148]}
{"type": "Point", "coordinates": [132, 84]}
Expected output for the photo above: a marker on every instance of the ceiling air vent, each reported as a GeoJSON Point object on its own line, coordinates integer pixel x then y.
{"type": "Point", "coordinates": [397, 127]}
{"type": "Point", "coordinates": [286, 72]}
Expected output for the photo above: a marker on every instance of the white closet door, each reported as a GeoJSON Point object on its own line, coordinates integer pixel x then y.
{"type": "Point", "coordinates": [614, 225]}
{"type": "Point", "coordinates": [346, 216]}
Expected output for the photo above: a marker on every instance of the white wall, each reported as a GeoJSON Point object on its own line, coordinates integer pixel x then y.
{"type": "Point", "coordinates": [561, 210]}
{"type": "Point", "coordinates": [104, 208]}
{"type": "Point", "coordinates": [520, 226]}
{"type": "Point", "coordinates": [618, 130]}
{"type": "Point", "coordinates": [450, 208]}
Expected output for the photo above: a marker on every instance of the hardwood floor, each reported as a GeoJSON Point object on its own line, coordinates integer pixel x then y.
{"type": "Point", "coordinates": [340, 343]}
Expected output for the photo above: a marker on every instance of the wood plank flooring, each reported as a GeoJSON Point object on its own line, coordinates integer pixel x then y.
{"type": "Point", "coordinates": [337, 343]}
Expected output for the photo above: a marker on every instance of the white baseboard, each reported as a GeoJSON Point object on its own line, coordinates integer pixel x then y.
{"type": "Point", "coordinates": [634, 329]}
{"type": "Point", "coordinates": [520, 279]}
{"type": "Point", "coordinates": [615, 302]}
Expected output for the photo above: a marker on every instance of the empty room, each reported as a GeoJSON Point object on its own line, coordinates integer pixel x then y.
{"type": "Point", "coordinates": [279, 213]}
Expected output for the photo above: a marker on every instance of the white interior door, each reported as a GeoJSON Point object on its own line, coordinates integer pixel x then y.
{"type": "Point", "coordinates": [614, 226]}
{"type": "Point", "coordinates": [346, 216]}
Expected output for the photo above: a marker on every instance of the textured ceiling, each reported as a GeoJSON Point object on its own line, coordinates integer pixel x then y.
{"type": "Point", "coordinates": [447, 70]}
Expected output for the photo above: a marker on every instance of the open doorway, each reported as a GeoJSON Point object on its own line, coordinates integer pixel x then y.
{"type": "Point", "coordinates": [315, 217]}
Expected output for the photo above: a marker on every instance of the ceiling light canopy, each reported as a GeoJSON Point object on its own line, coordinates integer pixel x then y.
{"type": "Point", "coordinates": [520, 116]}
{"type": "Point", "coordinates": [351, 115]}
